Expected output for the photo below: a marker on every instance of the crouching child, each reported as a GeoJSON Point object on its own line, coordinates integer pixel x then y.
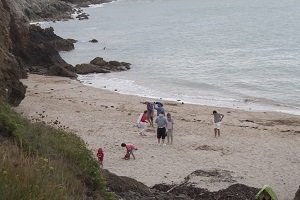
{"type": "Point", "coordinates": [129, 150]}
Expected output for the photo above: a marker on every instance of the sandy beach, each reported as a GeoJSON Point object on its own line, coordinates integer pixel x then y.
{"type": "Point", "coordinates": [255, 148]}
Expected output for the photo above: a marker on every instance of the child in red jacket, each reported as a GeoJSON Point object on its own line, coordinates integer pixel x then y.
{"type": "Point", "coordinates": [100, 156]}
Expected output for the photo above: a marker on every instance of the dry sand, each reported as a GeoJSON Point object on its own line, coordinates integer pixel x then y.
{"type": "Point", "coordinates": [254, 148]}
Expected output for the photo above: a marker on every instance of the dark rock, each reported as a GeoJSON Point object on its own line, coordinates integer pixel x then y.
{"type": "Point", "coordinates": [114, 63]}
{"type": "Point", "coordinates": [93, 41]}
{"type": "Point", "coordinates": [297, 195]}
{"type": "Point", "coordinates": [41, 52]}
{"type": "Point", "coordinates": [89, 68]}
{"type": "Point", "coordinates": [127, 65]}
{"type": "Point", "coordinates": [114, 68]}
{"type": "Point", "coordinates": [82, 16]}
{"type": "Point", "coordinates": [99, 65]}
{"type": "Point", "coordinates": [57, 70]}
{"type": "Point", "coordinates": [63, 44]}
{"type": "Point", "coordinates": [50, 10]}
{"type": "Point", "coordinates": [13, 33]}
{"type": "Point", "coordinates": [98, 61]}
{"type": "Point", "coordinates": [233, 192]}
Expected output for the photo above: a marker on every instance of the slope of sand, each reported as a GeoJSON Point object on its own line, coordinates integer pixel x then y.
{"type": "Point", "coordinates": [254, 148]}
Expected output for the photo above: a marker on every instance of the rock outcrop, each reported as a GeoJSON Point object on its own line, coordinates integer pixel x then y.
{"type": "Point", "coordinates": [41, 53]}
{"type": "Point", "coordinates": [93, 41]}
{"type": "Point", "coordinates": [297, 195]}
{"type": "Point", "coordinates": [128, 188]}
{"type": "Point", "coordinates": [86, 3]}
{"type": "Point", "coordinates": [24, 47]}
{"type": "Point", "coordinates": [98, 65]}
{"type": "Point", "coordinates": [11, 66]}
{"type": "Point", "coordinates": [44, 9]}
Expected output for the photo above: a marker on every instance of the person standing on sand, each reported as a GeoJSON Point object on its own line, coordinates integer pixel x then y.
{"type": "Point", "coordinates": [217, 122]}
{"type": "Point", "coordinates": [142, 123]}
{"type": "Point", "coordinates": [161, 122]}
{"type": "Point", "coordinates": [170, 123]}
{"type": "Point", "coordinates": [150, 111]}
{"type": "Point", "coordinates": [159, 108]}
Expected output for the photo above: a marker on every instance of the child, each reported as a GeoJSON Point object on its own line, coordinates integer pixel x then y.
{"type": "Point", "coordinates": [170, 123]}
{"type": "Point", "coordinates": [100, 156]}
{"type": "Point", "coordinates": [129, 150]}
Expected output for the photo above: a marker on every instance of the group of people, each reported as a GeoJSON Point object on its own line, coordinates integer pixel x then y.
{"type": "Point", "coordinates": [164, 128]}
{"type": "Point", "coordinates": [164, 124]}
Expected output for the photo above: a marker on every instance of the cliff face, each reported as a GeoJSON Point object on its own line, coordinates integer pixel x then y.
{"type": "Point", "coordinates": [12, 38]}
{"type": "Point", "coordinates": [29, 47]}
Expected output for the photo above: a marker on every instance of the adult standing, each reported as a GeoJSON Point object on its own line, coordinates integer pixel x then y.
{"type": "Point", "coordinates": [150, 112]}
{"type": "Point", "coordinates": [217, 122]}
{"type": "Point", "coordinates": [161, 122]}
{"type": "Point", "coordinates": [159, 108]}
{"type": "Point", "coordinates": [170, 123]}
{"type": "Point", "coordinates": [142, 123]}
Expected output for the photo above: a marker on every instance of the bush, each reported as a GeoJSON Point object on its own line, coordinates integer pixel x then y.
{"type": "Point", "coordinates": [40, 162]}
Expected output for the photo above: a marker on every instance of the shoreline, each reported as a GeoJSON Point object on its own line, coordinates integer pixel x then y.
{"type": "Point", "coordinates": [254, 148]}
{"type": "Point", "coordinates": [239, 104]}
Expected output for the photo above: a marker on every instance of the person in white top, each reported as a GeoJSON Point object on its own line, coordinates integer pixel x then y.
{"type": "Point", "coordinates": [142, 123]}
{"type": "Point", "coordinates": [217, 122]}
{"type": "Point", "coordinates": [170, 123]}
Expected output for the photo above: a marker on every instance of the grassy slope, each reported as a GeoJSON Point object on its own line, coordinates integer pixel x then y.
{"type": "Point", "coordinates": [40, 162]}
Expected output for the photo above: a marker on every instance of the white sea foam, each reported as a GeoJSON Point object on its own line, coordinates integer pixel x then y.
{"type": "Point", "coordinates": [96, 5]}
{"type": "Point", "coordinates": [38, 23]}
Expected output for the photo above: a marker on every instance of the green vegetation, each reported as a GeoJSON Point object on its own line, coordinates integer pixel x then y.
{"type": "Point", "coordinates": [40, 162]}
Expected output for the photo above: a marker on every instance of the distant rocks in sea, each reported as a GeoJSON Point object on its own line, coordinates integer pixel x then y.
{"type": "Point", "coordinates": [78, 12]}
{"type": "Point", "coordinates": [93, 41]}
{"type": "Point", "coordinates": [99, 65]}
{"type": "Point", "coordinates": [82, 16]}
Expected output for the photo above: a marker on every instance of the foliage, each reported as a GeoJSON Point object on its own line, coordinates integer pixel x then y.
{"type": "Point", "coordinates": [40, 162]}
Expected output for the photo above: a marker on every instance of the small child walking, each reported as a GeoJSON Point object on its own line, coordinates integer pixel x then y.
{"type": "Point", "coordinates": [129, 150]}
{"type": "Point", "coordinates": [170, 123]}
{"type": "Point", "coordinates": [100, 155]}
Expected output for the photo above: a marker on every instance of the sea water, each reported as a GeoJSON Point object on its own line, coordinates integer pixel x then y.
{"type": "Point", "coordinates": [231, 53]}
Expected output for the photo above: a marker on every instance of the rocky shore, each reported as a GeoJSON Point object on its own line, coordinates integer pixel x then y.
{"type": "Point", "coordinates": [29, 48]}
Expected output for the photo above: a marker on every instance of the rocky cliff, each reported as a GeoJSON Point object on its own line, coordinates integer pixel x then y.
{"type": "Point", "coordinates": [29, 48]}
{"type": "Point", "coordinates": [12, 38]}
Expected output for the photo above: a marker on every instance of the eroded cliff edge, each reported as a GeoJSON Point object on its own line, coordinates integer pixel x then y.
{"type": "Point", "coordinates": [29, 48]}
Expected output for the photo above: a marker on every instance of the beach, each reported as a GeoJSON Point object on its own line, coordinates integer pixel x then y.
{"type": "Point", "coordinates": [255, 148]}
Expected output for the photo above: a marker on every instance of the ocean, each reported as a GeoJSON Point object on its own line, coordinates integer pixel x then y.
{"type": "Point", "coordinates": [242, 54]}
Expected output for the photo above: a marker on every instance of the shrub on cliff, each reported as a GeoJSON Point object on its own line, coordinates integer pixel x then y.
{"type": "Point", "coordinates": [39, 162]}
